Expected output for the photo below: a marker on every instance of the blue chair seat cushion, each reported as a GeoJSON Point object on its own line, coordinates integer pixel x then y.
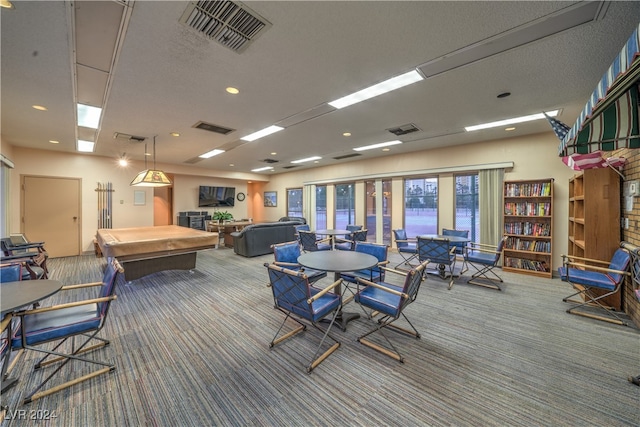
{"type": "Point", "coordinates": [344, 246]}
{"type": "Point", "coordinates": [408, 247]}
{"type": "Point", "coordinates": [320, 307]}
{"type": "Point", "coordinates": [43, 327]}
{"type": "Point", "coordinates": [351, 276]}
{"type": "Point", "coordinates": [588, 278]}
{"type": "Point", "coordinates": [377, 299]}
{"type": "Point", "coordinates": [481, 257]}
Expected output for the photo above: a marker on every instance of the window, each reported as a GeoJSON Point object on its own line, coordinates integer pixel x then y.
{"type": "Point", "coordinates": [467, 208]}
{"type": "Point", "coordinates": [321, 207]}
{"type": "Point", "coordinates": [294, 202]}
{"type": "Point", "coordinates": [345, 206]}
{"type": "Point", "coordinates": [372, 224]}
{"type": "Point", "coordinates": [421, 206]}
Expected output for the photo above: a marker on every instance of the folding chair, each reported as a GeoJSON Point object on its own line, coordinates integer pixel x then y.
{"type": "Point", "coordinates": [59, 323]}
{"type": "Point", "coordinates": [294, 296]}
{"type": "Point", "coordinates": [594, 281]}
{"type": "Point", "coordinates": [458, 233]}
{"type": "Point", "coordinates": [440, 253]}
{"type": "Point", "coordinates": [310, 243]}
{"type": "Point", "coordinates": [286, 255]}
{"type": "Point", "coordinates": [31, 254]}
{"type": "Point", "coordinates": [350, 243]}
{"type": "Point", "coordinates": [375, 274]}
{"type": "Point", "coordinates": [389, 300]}
{"type": "Point", "coordinates": [484, 259]}
{"type": "Point", "coordinates": [407, 247]}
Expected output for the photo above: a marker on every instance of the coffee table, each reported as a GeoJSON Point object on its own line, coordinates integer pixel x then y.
{"type": "Point", "coordinates": [338, 262]}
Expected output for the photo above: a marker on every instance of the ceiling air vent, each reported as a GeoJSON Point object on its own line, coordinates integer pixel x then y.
{"type": "Point", "coordinates": [404, 129]}
{"type": "Point", "coordinates": [289, 167]}
{"type": "Point", "coordinates": [232, 24]}
{"type": "Point", "coordinates": [346, 156]}
{"type": "Point", "coordinates": [213, 128]}
{"type": "Point", "coordinates": [269, 161]}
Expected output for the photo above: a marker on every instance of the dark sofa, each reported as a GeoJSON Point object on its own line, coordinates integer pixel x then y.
{"type": "Point", "coordinates": [256, 239]}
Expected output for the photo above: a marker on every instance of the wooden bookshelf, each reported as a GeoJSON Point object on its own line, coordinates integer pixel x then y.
{"type": "Point", "coordinates": [594, 218]}
{"type": "Point", "coordinates": [528, 225]}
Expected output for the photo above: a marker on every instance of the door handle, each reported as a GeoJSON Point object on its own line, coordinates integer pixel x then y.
{"type": "Point", "coordinates": [75, 218]}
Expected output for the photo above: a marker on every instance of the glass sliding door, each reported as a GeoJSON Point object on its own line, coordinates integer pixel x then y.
{"type": "Point", "coordinates": [421, 206]}
{"type": "Point", "coordinates": [321, 207]}
{"type": "Point", "coordinates": [345, 206]}
{"type": "Point", "coordinates": [374, 218]}
{"type": "Point", "coordinates": [467, 207]}
{"type": "Point", "coordinates": [294, 202]}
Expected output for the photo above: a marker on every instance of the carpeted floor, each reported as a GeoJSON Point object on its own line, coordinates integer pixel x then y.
{"type": "Point", "coordinates": [191, 349]}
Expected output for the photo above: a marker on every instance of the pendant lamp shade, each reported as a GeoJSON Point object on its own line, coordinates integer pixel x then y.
{"type": "Point", "coordinates": [151, 177]}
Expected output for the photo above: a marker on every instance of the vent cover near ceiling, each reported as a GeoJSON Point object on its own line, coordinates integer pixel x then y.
{"type": "Point", "coordinates": [404, 129]}
{"type": "Point", "coordinates": [127, 137]}
{"type": "Point", "coordinates": [213, 128]}
{"type": "Point", "coordinates": [269, 161]}
{"type": "Point", "coordinates": [290, 167]}
{"type": "Point", "coordinates": [346, 156]}
{"type": "Point", "coordinates": [232, 24]}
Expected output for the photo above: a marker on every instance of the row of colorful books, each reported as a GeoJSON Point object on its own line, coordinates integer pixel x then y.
{"type": "Point", "coordinates": [528, 245]}
{"type": "Point", "coordinates": [528, 228]}
{"type": "Point", "coordinates": [526, 264]}
{"type": "Point", "coordinates": [528, 209]}
{"type": "Point", "coordinates": [537, 189]}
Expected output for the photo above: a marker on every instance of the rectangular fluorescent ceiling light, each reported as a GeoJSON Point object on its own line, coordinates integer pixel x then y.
{"type": "Point", "coordinates": [266, 168]}
{"type": "Point", "coordinates": [378, 89]}
{"type": "Point", "coordinates": [262, 133]}
{"type": "Point", "coordinates": [511, 121]}
{"type": "Point", "coordinates": [89, 116]}
{"type": "Point", "coordinates": [211, 153]}
{"type": "Point", "coordinates": [308, 159]}
{"type": "Point", "coordinates": [380, 145]}
{"type": "Point", "coordinates": [85, 146]}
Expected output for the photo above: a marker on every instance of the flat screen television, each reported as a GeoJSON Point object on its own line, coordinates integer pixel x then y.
{"type": "Point", "coordinates": [210, 196]}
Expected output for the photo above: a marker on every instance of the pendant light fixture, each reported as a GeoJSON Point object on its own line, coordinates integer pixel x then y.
{"type": "Point", "coordinates": [151, 177]}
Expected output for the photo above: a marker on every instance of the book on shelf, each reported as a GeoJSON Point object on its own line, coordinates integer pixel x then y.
{"type": "Point", "coordinates": [534, 189]}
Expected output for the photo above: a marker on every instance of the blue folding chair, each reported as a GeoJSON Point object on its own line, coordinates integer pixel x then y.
{"type": "Point", "coordinates": [484, 259]}
{"type": "Point", "coordinates": [286, 255]}
{"type": "Point", "coordinates": [440, 253]}
{"type": "Point", "coordinates": [594, 280]}
{"type": "Point", "coordinates": [407, 248]}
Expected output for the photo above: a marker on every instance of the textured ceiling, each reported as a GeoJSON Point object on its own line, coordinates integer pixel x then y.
{"type": "Point", "coordinates": [167, 77]}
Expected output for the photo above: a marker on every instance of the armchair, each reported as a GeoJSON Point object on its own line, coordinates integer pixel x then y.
{"type": "Point", "coordinates": [439, 252]}
{"type": "Point", "coordinates": [407, 247]}
{"type": "Point", "coordinates": [458, 233]}
{"type": "Point", "coordinates": [294, 296]}
{"type": "Point", "coordinates": [310, 242]}
{"type": "Point", "coordinates": [390, 301]}
{"type": "Point", "coordinates": [349, 244]}
{"type": "Point", "coordinates": [595, 280]}
{"type": "Point", "coordinates": [59, 323]}
{"type": "Point", "coordinates": [375, 274]}
{"type": "Point", "coordinates": [31, 254]}
{"type": "Point", "coordinates": [286, 255]}
{"type": "Point", "coordinates": [484, 259]}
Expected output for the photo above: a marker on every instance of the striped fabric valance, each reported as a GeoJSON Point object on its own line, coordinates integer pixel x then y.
{"type": "Point", "coordinates": [609, 120]}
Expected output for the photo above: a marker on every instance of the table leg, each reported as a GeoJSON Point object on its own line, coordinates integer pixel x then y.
{"type": "Point", "coordinates": [343, 317]}
{"type": "Point", "coordinates": [7, 383]}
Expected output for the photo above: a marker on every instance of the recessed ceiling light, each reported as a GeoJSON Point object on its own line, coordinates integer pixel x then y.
{"type": "Point", "coordinates": [233, 90]}
{"type": "Point", "coordinates": [262, 133]}
{"type": "Point", "coordinates": [510, 129]}
{"type": "Point", "coordinates": [39, 107]}
{"type": "Point", "coordinates": [380, 145]}
{"type": "Point", "coordinates": [85, 146]}
{"type": "Point", "coordinates": [386, 149]}
{"type": "Point", "coordinates": [231, 164]}
{"type": "Point", "coordinates": [211, 153]}
{"type": "Point", "coordinates": [6, 4]}
{"type": "Point", "coordinates": [346, 134]}
{"type": "Point", "coordinates": [515, 120]}
{"type": "Point", "coordinates": [89, 116]}
{"type": "Point", "coordinates": [273, 153]}
{"type": "Point", "coordinates": [53, 141]}
{"type": "Point", "coordinates": [262, 169]}
{"type": "Point", "coordinates": [307, 159]}
{"type": "Point", "coordinates": [174, 134]}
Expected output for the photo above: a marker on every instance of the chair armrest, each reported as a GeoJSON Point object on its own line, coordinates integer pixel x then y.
{"type": "Point", "coordinates": [286, 264]}
{"type": "Point", "coordinates": [572, 258]}
{"type": "Point", "coordinates": [596, 268]}
{"type": "Point", "coordinates": [393, 270]}
{"type": "Point", "coordinates": [80, 286]}
{"type": "Point", "coordinates": [382, 288]}
{"type": "Point", "coordinates": [410, 240]}
{"type": "Point", "coordinates": [326, 239]}
{"type": "Point", "coordinates": [324, 291]}
{"type": "Point", "coordinates": [67, 305]}
{"type": "Point", "coordinates": [6, 321]}
{"type": "Point", "coordinates": [24, 257]}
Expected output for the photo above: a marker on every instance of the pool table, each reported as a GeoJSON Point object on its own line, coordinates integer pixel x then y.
{"type": "Point", "coordinates": [146, 250]}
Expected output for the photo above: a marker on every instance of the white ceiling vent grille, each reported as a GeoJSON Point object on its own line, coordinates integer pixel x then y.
{"type": "Point", "coordinates": [232, 24]}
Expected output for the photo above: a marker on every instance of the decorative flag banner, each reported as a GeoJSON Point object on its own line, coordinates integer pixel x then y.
{"type": "Point", "coordinates": [579, 162]}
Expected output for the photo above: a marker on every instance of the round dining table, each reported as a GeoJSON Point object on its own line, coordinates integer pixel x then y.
{"type": "Point", "coordinates": [332, 233]}
{"type": "Point", "coordinates": [338, 262]}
